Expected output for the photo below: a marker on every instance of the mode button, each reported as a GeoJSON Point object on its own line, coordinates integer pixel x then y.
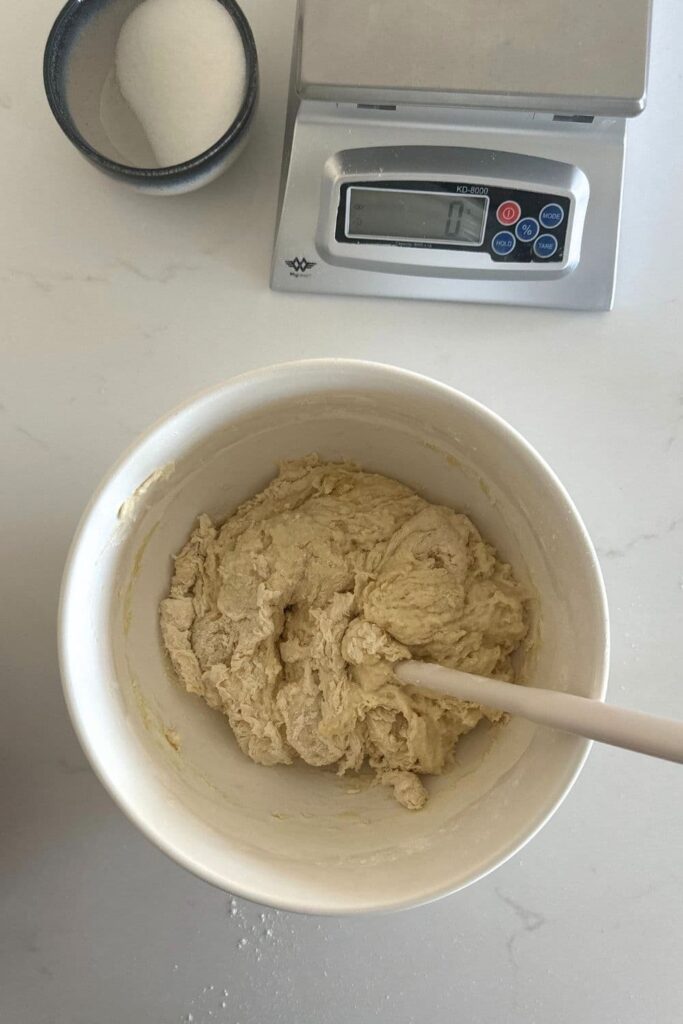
{"type": "Point", "coordinates": [551, 216]}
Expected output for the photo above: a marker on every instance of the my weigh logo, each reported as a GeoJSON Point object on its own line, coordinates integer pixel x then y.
{"type": "Point", "coordinates": [299, 266]}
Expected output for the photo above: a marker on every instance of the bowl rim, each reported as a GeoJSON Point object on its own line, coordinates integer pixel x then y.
{"type": "Point", "coordinates": [53, 80]}
{"type": "Point", "coordinates": [68, 662]}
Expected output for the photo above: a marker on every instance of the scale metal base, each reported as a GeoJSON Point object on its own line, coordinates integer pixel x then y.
{"type": "Point", "coordinates": [372, 157]}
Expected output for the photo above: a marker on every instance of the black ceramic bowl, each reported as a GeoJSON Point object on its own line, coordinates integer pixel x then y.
{"type": "Point", "coordinates": [78, 63]}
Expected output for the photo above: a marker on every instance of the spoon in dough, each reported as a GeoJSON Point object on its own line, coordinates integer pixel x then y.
{"type": "Point", "coordinates": [633, 730]}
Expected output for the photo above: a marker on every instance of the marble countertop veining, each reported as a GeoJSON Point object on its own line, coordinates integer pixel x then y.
{"type": "Point", "coordinates": [114, 307]}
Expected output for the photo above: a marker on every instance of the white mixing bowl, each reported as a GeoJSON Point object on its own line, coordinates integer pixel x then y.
{"type": "Point", "coordinates": [296, 837]}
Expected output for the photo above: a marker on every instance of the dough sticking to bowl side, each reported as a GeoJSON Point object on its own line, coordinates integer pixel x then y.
{"type": "Point", "coordinates": [289, 617]}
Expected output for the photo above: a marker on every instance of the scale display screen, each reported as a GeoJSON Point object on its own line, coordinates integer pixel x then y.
{"type": "Point", "coordinates": [392, 214]}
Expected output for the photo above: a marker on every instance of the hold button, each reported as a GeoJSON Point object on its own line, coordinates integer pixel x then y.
{"type": "Point", "coordinates": [503, 243]}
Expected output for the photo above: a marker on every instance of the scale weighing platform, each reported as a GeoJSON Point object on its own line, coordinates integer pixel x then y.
{"type": "Point", "coordinates": [468, 150]}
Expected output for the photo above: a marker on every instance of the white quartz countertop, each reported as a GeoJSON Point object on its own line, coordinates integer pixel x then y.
{"type": "Point", "coordinates": [113, 308]}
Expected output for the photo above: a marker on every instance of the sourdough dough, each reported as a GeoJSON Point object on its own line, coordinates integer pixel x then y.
{"type": "Point", "coordinates": [288, 619]}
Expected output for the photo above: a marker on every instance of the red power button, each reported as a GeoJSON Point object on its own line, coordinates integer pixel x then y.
{"type": "Point", "coordinates": [508, 212]}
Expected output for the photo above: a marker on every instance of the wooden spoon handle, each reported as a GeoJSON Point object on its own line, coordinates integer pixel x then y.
{"type": "Point", "coordinates": [633, 730]}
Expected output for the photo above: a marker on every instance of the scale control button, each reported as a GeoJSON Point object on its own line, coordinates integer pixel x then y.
{"type": "Point", "coordinates": [503, 243]}
{"type": "Point", "coordinates": [509, 212]}
{"type": "Point", "coordinates": [527, 229]}
{"type": "Point", "coordinates": [545, 246]}
{"type": "Point", "coordinates": [551, 216]}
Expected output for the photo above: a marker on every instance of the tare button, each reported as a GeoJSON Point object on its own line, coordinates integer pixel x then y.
{"type": "Point", "coordinates": [527, 229]}
{"type": "Point", "coordinates": [545, 246]}
{"type": "Point", "coordinates": [509, 212]}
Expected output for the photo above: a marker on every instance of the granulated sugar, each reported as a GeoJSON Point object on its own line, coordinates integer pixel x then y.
{"type": "Point", "coordinates": [181, 67]}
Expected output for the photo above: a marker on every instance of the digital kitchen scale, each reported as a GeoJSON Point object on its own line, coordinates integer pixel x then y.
{"type": "Point", "coordinates": [469, 150]}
